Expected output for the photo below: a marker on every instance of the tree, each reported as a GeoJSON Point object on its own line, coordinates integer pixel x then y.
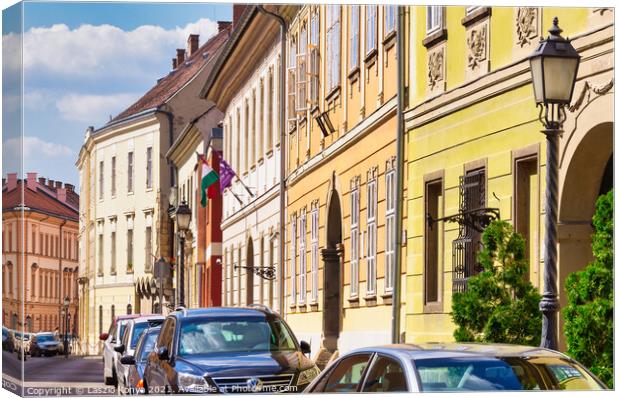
{"type": "Point", "coordinates": [588, 317]}
{"type": "Point", "coordinates": [500, 305]}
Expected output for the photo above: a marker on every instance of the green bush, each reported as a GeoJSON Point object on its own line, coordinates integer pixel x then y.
{"type": "Point", "coordinates": [500, 305]}
{"type": "Point", "coordinates": [588, 317]}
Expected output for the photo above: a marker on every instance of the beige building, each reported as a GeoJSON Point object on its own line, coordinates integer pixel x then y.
{"type": "Point", "coordinates": [126, 185]}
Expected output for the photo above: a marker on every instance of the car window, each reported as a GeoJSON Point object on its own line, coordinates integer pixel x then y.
{"type": "Point", "coordinates": [166, 335]}
{"type": "Point", "coordinates": [146, 346]}
{"type": "Point", "coordinates": [563, 374]}
{"type": "Point", "coordinates": [346, 375]}
{"type": "Point", "coordinates": [385, 375]}
{"type": "Point", "coordinates": [126, 336]}
{"type": "Point", "coordinates": [138, 328]}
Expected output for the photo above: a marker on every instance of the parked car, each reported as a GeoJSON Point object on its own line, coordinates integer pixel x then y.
{"type": "Point", "coordinates": [134, 383]}
{"type": "Point", "coordinates": [127, 345]}
{"type": "Point", "coordinates": [110, 339]}
{"type": "Point", "coordinates": [229, 350]}
{"type": "Point", "coordinates": [453, 367]}
{"type": "Point", "coordinates": [22, 344]}
{"type": "Point", "coordinates": [45, 343]}
{"type": "Point", "coordinates": [8, 343]}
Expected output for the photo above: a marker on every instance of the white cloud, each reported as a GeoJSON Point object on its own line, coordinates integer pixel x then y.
{"type": "Point", "coordinates": [35, 147]}
{"type": "Point", "coordinates": [93, 109]}
{"type": "Point", "coordinates": [103, 50]}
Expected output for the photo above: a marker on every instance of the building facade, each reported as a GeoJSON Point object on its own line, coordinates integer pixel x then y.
{"type": "Point", "coordinates": [126, 182]}
{"type": "Point", "coordinates": [474, 142]}
{"type": "Point", "coordinates": [39, 254]}
{"type": "Point", "coordinates": [341, 178]}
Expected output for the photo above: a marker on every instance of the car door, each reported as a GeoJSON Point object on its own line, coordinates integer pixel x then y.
{"type": "Point", "coordinates": [121, 370]}
{"type": "Point", "coordinates": [155, 370]}
{"type": "Point", "coordinates": [108, 351]}
{"type": "Point", "coordinates": [345, 376]}
{"type": "Point", "coordinates": [385, 374]}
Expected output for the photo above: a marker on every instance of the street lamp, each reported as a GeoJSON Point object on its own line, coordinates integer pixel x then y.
{"type": "Point", "coordinates": [554, 66]}
{"type": "Point", "coordinates": [66, 314]}
{"type": "Point", "coordinates": [183, 216]}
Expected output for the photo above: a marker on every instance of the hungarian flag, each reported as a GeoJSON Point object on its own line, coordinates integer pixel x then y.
{"type": "Point", "coordinates": [209, 177]}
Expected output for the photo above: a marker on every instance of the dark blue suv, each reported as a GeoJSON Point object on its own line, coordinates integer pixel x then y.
{"type": "Point", "coordinates": [228, 350]}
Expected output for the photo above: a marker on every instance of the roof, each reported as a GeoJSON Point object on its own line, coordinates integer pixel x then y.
{"type": "Point", "coordinates": [176, 79]}
{"type": "Point", "coordinates": [43, 199]}
{"type": "Point", "coordinates": [442, 350]}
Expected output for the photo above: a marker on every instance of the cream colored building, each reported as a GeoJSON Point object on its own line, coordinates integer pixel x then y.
{"type": "Point", "coordinates": [126, 184]}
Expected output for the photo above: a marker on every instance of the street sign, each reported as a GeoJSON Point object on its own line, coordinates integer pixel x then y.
{"type": "Point", "coordinates": [161, 269]}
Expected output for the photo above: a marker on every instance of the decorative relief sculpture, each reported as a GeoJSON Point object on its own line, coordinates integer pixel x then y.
{"type": "Point", "coordinates": [527, 25]}
{"type": "Point", "coordinates": [586, 91]}
{"type": "Point", "coordinates": [435, 67]}
{"type": "Point", "coordinates": [477, 46]}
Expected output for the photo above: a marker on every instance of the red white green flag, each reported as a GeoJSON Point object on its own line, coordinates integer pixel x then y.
{"type": "Point", "coordinates": [209, 177]}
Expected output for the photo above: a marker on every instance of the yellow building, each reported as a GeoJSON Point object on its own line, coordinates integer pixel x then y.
{"type": "Point", "coordinates": [473, 133]}
{"type": "Point", "coordinates": [341, 183]}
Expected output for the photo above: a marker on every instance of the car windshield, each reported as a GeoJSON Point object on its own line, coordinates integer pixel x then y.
{"type": "Point", "coordinates": [138, 328]}
{"type": "Point", "coordinates": [217, 335]}
{"type": "Point", "coordinates": [148, 342]}
{"type": "Point", "coordinates": [42, 338]}
{"type": "Point", "coordinates": [484, 374]}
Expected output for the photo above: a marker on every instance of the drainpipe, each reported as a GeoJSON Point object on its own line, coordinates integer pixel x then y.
{"type": "Point", "coordinates": [398, 225]}
{"type": "Point", "coordinates": [282, 96]}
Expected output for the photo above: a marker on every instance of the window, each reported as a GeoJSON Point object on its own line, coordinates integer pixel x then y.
{"type": "Point", "coordinates": [371, 28]}
{"type": "Point", "coordinates": [526, 203]}
{"type": "Point", "coordinates": [101, 180]}
{"type": "Point", "coordinates": [314, 251]}
{"type": "Point", "coordinates": [113, 176]}
{"type": "Point", "coordinates": [34, 242]}
{"type": "Point", "coordinates": [112, 312]}
{"type": "Point", "coordinates": [302, 71]}
{"type": "Point", "coordinates": [432, 250]}
{"type": "Point", "coordinates": [261, 119]}
{"type": "Point", "coordinates": [354, 38]}
{"type": "Point", "coordinates": [130, 172]}
{"type": "Point", "coordinates": [246, 131]}
{"type": "Point", "coordinates": [434, 18]}
{"type": "Point", "coordinates": [302, 257]}
{"type": "Point", "coordinates": [148, 248]}
{"type": "Point", "coordinates": [100, 254]}
{"type": "Point", "coordinates": [355, 235]}
{"type": "Point", "coordinates": [385, 375]}
{"type": "Point", "coordinates": [129, 250]}
{"type": "Point", "coordinates": [293, 273]}
{"type": "Point", "coordinates": [292, 70]}
{"type": "Point", "coordinates": [333, 47]}
{"type": "Point", "coordinates": [371, 228]}
{"type": "Point", "coordinates": [315, 61]}
{"type": "Point", "coordinates": [390, 15]}
{"type": "Point", "coordinates": [270, 95]}
{"type": "Point", "coordinates": [113, 252]}
{"type": "Point", "coordinates": [100, 319]}
{"type": "Point", "coordinates": [252, 147]}
{"type": "Point", "coordinates": [149, 167]}
{"type": "Point", "coordinates": [390, 224]}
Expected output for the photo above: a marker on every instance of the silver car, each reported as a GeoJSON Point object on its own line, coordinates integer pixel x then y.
{"type": "Point", "coordinates": [127, 346]}
{"type": "Point", "coordinates": [453, 367]}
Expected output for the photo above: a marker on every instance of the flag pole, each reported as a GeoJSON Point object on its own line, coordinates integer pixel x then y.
{"type": "Point", "coordinates": [238, 179]}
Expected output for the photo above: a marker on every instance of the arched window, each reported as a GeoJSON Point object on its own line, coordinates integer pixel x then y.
{"type": "Point", "coordinates": [112, 310]}
{"type": "Point", "coordinates": [128, 309]}
{"type": "Point", "coordinates": [100, 319]}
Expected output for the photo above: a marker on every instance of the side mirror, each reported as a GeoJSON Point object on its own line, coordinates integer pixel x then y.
{"type": "Point", "coordinates": [305, 347]}
{"type": "Point", "coordinates": [119, 348]}
{"type": "Point", "coordinates": [163, 354]}
{"type": "Point", "coordinates": [128, 360]}
{"type": "Point", "coordinates": [103, 336]}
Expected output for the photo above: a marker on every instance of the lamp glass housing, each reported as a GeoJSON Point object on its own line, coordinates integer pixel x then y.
{"type": "Point", "coordinates": [183, 216]}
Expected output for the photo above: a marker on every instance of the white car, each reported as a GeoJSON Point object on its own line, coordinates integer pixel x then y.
{"type": "Point", "coordinates": [127, 346]}
{"type": "Point", "coordinates": [110, 339]}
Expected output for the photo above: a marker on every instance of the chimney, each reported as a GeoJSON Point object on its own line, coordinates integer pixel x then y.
{"type": "Point", "coordinates": [50, 183]}
{"type": "Point", "coordinates": [223, 25]}
{"type": "Point", "coordinates": [11, 181]}
{"type": "Point", "coordinates": [31, 181]}
{"type": "Point", "coordinates": [174, 63]}
{"type": "Point", "coordinates": [192, 45]}
{"type": "Point", "coordinates": [69, 187]}
{"type": "Point", "coordinates": [61, 194]}
{"type": "Point", "coordinates": [180, 56]}
{"type": "Point", "coordinates": [238, 10]}
{"type": "Point", "coordinates": [58, 184]}
{"type": "Point", "coordinates": [42, 180]}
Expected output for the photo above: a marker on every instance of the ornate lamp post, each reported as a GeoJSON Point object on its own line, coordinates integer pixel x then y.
{"type": "Point", "coordinates": [65, 312]}
{"type": "Point", "coordinates": [554, 66]}
{"type": "Point", "coordinates": [183, 216]}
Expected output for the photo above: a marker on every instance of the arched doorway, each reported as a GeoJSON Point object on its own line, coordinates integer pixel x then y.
{"type": "Point", "coordinates": [332, 274]}
{"type": "Point", "coordinates": [249, 273]}
{"type": "Point", "coordinates": [588, 173]}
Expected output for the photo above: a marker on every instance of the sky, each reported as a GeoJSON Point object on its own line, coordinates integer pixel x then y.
{"type": "Point", "coordinates": [81, 64]}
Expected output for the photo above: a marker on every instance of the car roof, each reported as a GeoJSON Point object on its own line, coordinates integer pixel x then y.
{"type": "Point", "coordinates": [224, 312]}
{"type": "Point", "coordinates": [444, 350]}
{"type": "Point", "coordinates": [147, 318]}
{"type": "Point", "coordinates": [127, 316]}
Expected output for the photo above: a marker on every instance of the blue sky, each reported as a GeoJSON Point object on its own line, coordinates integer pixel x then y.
{"type": "Point", "coordinates": [82, 63]}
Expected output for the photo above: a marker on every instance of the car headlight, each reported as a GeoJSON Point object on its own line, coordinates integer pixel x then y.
{"type": "Point", "coordinates": [193, 383]}
{"type": "Point", "coordinates": [306, 376]}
